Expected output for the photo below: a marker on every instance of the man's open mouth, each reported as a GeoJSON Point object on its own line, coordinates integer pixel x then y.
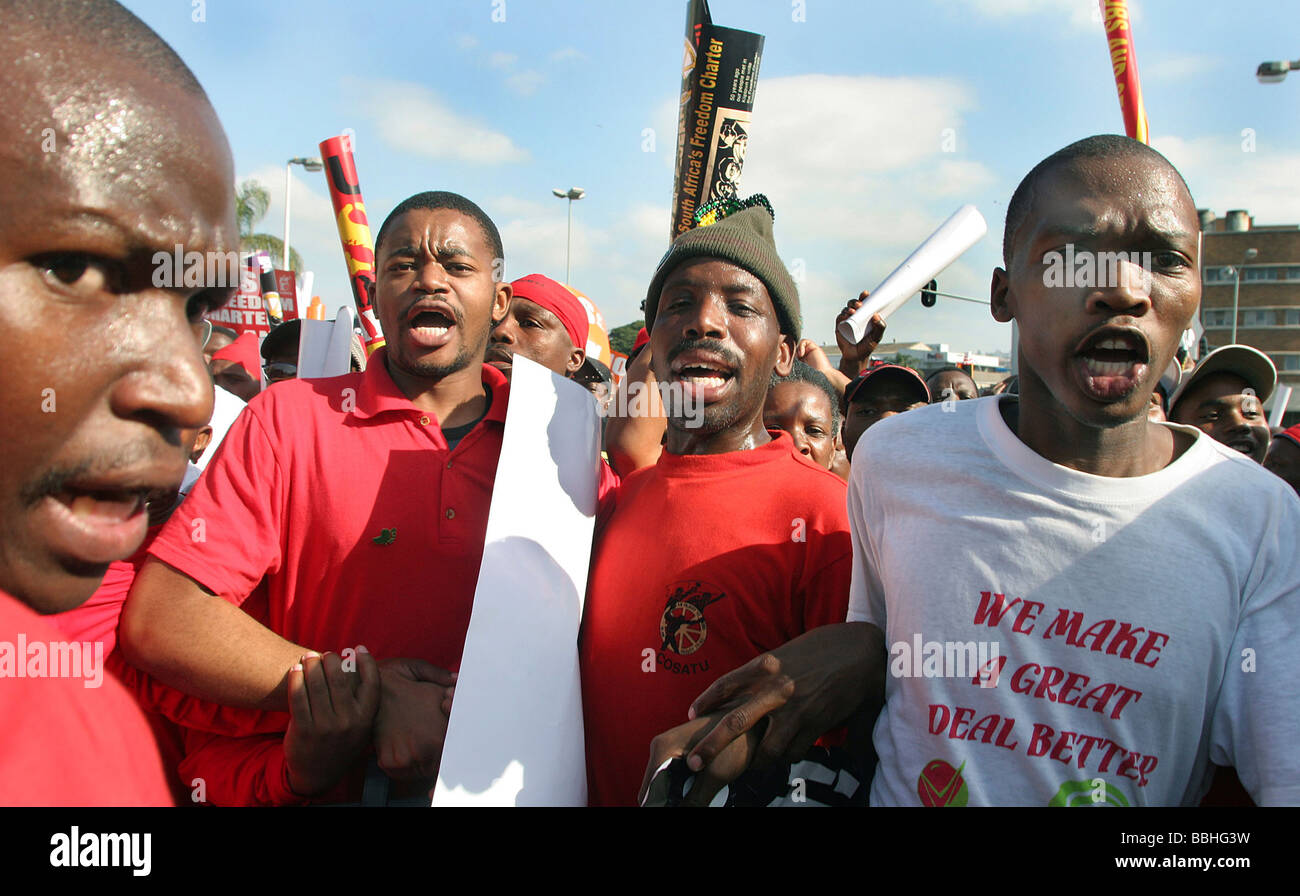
{"type": "Point", "coordinates": [702, 375]}
{"type": "Point", "coordinates": [1244, 444]}
{"type": "Point", "coordinates": [1111, 362]}
{"type": "Point", "coordinates": [430, 326]}
{"type": "Point", "coordinates": [96, 523]}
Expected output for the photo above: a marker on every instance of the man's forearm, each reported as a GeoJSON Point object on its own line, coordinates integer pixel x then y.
{"type": "Point", "coordinates": [201, 644]}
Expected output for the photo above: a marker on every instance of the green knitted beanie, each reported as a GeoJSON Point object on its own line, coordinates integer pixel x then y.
{"type": "Point", "coordinates": [741, 233]}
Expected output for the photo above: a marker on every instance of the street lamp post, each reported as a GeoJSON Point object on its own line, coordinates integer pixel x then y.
{"type": "Point", "coordinates": [310, 164]}
{"type": "Point", "coordinates": [1275, 72]}
{"type": "Point", "coordinates": [572, 194]}
{"type": "Point", "coordinates": [1236, 288]}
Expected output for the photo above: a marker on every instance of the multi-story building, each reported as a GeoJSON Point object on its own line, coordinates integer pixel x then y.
{"type": "Point", "coordinates": [1268, 299]}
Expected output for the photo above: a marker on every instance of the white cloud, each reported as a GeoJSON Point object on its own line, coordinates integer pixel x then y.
{"type": "Point", "coordinates": [568, 54]}
{"type": "Point", "coordinates": [522, 83]}
{"type": "Point", "coordinates": [505, 207]}
{"type": "Point", "coordinates": [857, 158]}
{"type": "Point", "coordinates": [537, 243]}
{"type": "Point", "coordinates": [525, 83]}
{"type": "Point", "coordinates": [412, 118]}
{"type": "Point", "coordinates": [1078, 14]}
{"type": "Point", "coordinates": [466, 41]}
{"type": "Point", "coordinates": [855, 169]}
{"type": "Point", "coordinates": [1177, 68]}
{"type": "Point", "coordinates": [856, 173]}
{"type": "Point", "coordinates": [1222, 176]}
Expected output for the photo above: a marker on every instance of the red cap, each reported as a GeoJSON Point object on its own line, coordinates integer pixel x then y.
{"type": "Point", "coordinates": [642, 337]}
{"type": "Point", "coordinates": [243, 351]}
{"type": "Point", "coordinates": [904, 374]}
{"type": "Point", "coordinates": [552, 296]}
{"type": "Point", "coordinates": [1293, 434]}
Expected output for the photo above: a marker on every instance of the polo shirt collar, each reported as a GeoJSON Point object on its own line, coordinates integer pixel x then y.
{"type": "Point", "coordinates": [378, 394]}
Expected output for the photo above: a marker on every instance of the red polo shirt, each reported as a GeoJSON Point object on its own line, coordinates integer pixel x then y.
{"type": "Point", "coordinates": [345, 499]}
{"type": "Point", "coordinates": [337, 507]}
{"type": "Point", "coordinates": [66, 744]}
{"type": "Point", "coordinates": [706, 562]}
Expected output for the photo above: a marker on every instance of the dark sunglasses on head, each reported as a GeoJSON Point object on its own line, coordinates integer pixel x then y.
{"type": "Point", "coordinates": [280, 371]}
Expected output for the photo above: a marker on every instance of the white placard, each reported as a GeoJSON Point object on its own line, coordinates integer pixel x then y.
{"type": "Point", "coordinates": [954, 236]}
{"type": "Point", "coordinates": [325, 346]}
{"type": "Point", "coordinates": [515, 737]}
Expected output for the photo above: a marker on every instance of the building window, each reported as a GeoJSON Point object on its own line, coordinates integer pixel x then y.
{"type": "Point", "coordinates": [1292, 271]}
{"type": "Point", "coordinates": [1293, 317]}
{"type": "Point", "coordinates": [1254, 317]}
{"type": "Point", "coordinates": [1287, 363]}
{"type": "Point", "coordinates": [1257, 274]}
{"type": "Point", "coordinates": [1216, 317]}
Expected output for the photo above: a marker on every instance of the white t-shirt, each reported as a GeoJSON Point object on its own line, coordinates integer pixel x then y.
{"type": "Point", "coordinates": [1136, 628]}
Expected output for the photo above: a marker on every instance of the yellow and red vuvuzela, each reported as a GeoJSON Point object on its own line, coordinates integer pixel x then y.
{"type": "Point", "coordinates": [354, 231]}
{"type": "Point", "coordinates": [1123, 60]}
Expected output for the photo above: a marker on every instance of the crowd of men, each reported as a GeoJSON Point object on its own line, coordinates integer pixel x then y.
{"type": "Point", "coordinates": [281, 590]}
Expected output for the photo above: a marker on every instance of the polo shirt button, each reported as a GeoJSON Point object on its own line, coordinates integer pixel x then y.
{"type": "Point", "coordinates": [451, 514]}
{"type": "Point", "coordinates": [424, 419]}
{"type": "Point", "coordinates": [448, 465]}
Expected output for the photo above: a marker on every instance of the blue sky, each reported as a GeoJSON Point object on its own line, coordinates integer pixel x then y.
{"type": "Point", "coordinates": [850, 115]}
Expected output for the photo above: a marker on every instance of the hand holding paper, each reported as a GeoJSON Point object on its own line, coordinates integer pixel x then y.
{"type": "Point", "coordinates": [855, 355]}
{"type": "Point", "coordinates": [961, 231]}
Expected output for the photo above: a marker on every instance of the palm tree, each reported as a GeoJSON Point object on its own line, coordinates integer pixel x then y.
{"type": "Point", "coordinates": [251, 202]}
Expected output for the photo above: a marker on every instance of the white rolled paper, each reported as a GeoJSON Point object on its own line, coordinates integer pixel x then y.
{"type": "Point", "coordinates": [1281, 398]}
{"type": "Point", "coordinates": [961, 231]}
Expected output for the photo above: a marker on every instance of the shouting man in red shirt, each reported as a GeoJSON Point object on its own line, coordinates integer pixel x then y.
{"type": "Point", "coordinates": [344, 515]}
{"type": "Point", "coordinates": [732, 541]}
{"type": "Point", "coordinates": [114, 154]}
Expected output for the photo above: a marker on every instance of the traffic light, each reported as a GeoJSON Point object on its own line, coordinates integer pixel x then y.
{"type": "Point", "coordinates": [928, 297]}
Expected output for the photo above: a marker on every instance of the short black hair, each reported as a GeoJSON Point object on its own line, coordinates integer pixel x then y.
{"type": "Point", "coordinates": [225, 331]}
{"type": "Point", "coordinates": [1099, 146]}
{"type": "Point", "coordinates": [949, 369]}
{"type": "Point", "coordinates": [433, 200]}
{"type": "Point", "coordinates": [803, 372]}
{"type": "Point", "coordinates": [105, 25]}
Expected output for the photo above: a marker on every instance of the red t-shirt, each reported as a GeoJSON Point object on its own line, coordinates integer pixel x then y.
{"type": "Point", "coordinates": [707, 561]}
{"type": "Point", "coordinates": [336, 505]}
{"type": "Point", "coordinates": [165, 708]}
{"type": "Point", "coordinates": [66, 744]}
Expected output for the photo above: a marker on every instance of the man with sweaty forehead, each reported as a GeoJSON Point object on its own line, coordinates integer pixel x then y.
{"type": "Point", "coordinates": [112, 153]}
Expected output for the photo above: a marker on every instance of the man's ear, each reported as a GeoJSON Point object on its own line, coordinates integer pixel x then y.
{"type": "Point", "coordinates": [201, 442]}
{"type": "Point", "coordinates": [999, 296]}
{"type": "Point", "coordinates": [501, 302]}
{"type": "Point", "coordinates": [576, 359]}
{"type": "Point", "coordinates": [785, 355]}
{"type": "Point", "coordinates": [370, 294]}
